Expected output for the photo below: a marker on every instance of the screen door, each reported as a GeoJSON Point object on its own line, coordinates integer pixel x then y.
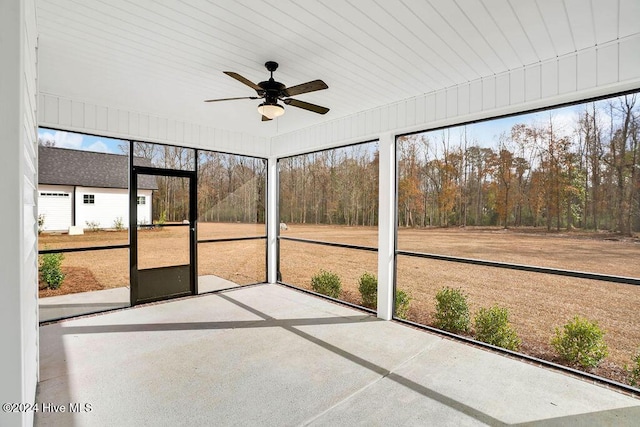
{"type": "Point", "coordinates": [163, 245]}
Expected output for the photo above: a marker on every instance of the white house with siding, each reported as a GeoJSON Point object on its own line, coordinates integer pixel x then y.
{"type": "Point", "coordinates": [87, 189]}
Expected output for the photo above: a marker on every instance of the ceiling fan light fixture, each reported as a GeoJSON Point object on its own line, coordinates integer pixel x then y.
{"type": "Point", "coordinates": [271, 111]}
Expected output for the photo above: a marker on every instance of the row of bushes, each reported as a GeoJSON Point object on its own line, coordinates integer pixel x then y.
{"type": "Point", "coordinates": [329, 283]}
{"type": "Point", "coordinates": [118, 224]}
{"type": "Point", "coordinates": [491, 324]}
{"type": "Point", "coordinates": [580, 342]}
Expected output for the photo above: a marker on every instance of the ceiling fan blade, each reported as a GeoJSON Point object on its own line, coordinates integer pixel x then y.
{"type": "Point", "coordinates": [307, 106]}
{"type": "Point", "coordinates": [306, 87]}
{"type": "Point", "coordinates": [265, 119]}
{"type": "Point", "coordinates": [231, 99]}
{"type": "Point", "coordinates": [241, 79]}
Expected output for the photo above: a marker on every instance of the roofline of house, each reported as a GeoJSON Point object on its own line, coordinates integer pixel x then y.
{"type": "Point", "coordinates": [88, 151]}
{"type": "Point", "coordinates": [93, 186]}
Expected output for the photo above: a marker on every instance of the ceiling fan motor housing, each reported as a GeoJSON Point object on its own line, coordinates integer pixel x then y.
{"type": "Point", "coordinates": [273, 90]}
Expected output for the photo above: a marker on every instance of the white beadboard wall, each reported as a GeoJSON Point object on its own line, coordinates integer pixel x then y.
{"type": "Point", "coordinates": [597, 71]}
{"type": "Point", "coordinates": [29, 288]}
{"type": "Point", "coordinates": [593, 72]}
{"type": "Point", "coordinates": [77, 116]}
{"type": "Point", "coordinates": [18, 178]}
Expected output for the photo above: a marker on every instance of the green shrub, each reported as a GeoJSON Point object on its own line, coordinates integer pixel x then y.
{"type": "Point", "coordinates": [93, 225]}
{"type": "Point", "coordinates": [634, 370]}
{"type": "Point", "coordinates": [581, 342]}
{"type": "Point", "coordinates": [50, 270]}
{"type": "Point", "coordinates": [327, 283]}
{"type": "Point", "coordinates": [368, 287]}
{"type": "Point", "coordinates": [493, 327]}
{"type": "Point", "coordinates": [40, 223]}
{"type": "Point", "coordinates": [162, 220]}
{"type": "Point", "coordinates": [402, 304]}
{"type": "Point", "coordinates": [118, 223]}
{"type": "Point", "coordinates": [452, 310]}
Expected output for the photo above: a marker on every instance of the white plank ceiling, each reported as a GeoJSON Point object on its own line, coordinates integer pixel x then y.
{"type": "Point", "coordinates": [165, 57]}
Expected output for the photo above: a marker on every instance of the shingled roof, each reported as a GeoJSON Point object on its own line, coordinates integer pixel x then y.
{"type": "Point", "coordinates": [64, 166]}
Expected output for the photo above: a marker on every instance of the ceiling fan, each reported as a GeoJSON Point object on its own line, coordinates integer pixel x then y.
{"type": "Point", "coordinates": [272, 92]}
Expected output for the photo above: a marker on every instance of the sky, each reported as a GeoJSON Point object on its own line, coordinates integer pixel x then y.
{"type": "Point", "coordinates": [487, 133]}
{"type": "Point", "coordinates": [79, 141]}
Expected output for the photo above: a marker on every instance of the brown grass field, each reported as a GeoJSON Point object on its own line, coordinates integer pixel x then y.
{"type": "Point", "coordinates": [241, 262]}
{"type": "Point", "coordinates": [538, 303]}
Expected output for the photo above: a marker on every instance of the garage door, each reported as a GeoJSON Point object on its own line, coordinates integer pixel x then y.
{"type": "Point", "coordinates": [56, 208]}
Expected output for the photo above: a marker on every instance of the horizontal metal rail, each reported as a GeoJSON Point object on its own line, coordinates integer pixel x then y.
{"type": "Point", "coordinates": [84, 249]}
{"type": "Point", "coordinates": [127, 246]}
{"type": "Point", "coordinates": [337, 245]}
{"type": "Point", "coordinates": [169, 224]}
{"type": "Point", "coordinates": [523, 267]}
{"type": "Point", "coordinates": [232, 239]}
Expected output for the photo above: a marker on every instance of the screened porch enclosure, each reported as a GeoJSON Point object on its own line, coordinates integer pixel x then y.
{"type": "Point", "coordinates": [482, 149]}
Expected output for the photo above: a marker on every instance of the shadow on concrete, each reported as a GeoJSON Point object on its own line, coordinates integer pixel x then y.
{"type": "Point", "coordinates": [383, 372]}
{"type": "Point", "coordinates": [194, 326]}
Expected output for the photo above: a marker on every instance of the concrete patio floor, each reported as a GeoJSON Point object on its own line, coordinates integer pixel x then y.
{"type": "Point", "coordinates": [269, 355]}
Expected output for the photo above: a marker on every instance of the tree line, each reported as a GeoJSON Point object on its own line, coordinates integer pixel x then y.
{"type": "Point", "coordinates": [231, 188]}
{"type": "Point", "coordinates": [338, 186]}
{"type": "Point", "coordinates": [585, 174]}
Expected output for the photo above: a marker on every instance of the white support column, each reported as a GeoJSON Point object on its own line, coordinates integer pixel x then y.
{"type": "Point", "coordinates": [273, 222]}
{"type": "Point", "coordinates": [18, 211]}
{"type": "Point", "coordinates": [386, 225]}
